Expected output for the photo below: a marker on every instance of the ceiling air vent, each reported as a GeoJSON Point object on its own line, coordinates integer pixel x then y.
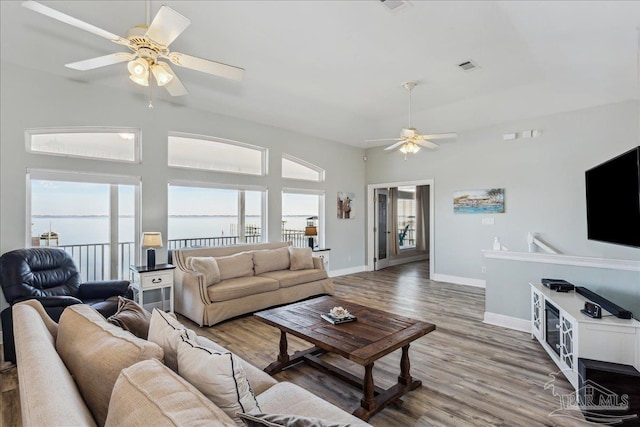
{"type": "Point", "coordinates": [468, 66]}
{"type": "Point", "coordinates": [394, 5]}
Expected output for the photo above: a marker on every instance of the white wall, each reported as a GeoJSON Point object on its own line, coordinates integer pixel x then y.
{"type": "Point", "coordinates": [31, 99]}
{"type": "Point", "coordinates": [544, 187]}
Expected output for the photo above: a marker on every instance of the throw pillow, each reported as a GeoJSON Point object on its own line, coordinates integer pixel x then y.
{"type": "Point", "coordinates": [301, 258]}
{"type": "Point", "coordinates": [218, 375]}
{"type": "Point", "coordinates": [165, 331]}
{"type": "Point", "coordinates": [236, 265]}
{"type": "Point", "coordinates": [95, 351]}
{"type": "Point", "coordinates": [150, 394]}
{"type": "Point", "coordinates": [206, 265]}
{"type": "Point", "coordinates": [280, 420]}
{"type": "Point", "coordinates": [131, 317]}
{"type": "Point", "coordinates": [271, 260]}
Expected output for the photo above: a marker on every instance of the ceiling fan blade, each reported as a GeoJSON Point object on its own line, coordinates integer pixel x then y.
{"type": "Point", "coordinates": [166, 26]}
{"type": "Point", "coordinates": [206, 66]}
{"type": "Point", "coordinates": [426, 143]}
{"type": "Point", "coordinates": [175, 86]}
{"type": "Point", "coordinates": [62, 17]}
{"type": "Point", "coordinates": [101, 61]}
{"type": "Point", "coordinates": [440, 135]}
{"type": "Point", "coordinates": [396, 145]}
{"type": "Point", "coordinates": [384, 139]}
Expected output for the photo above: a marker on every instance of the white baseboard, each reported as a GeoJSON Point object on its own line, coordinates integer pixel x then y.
{"type": "Point", "coordinates": [345, 271]}
{"type": "Point", "coordinates": [478, 283]}
{"type": "Point", "coordinates": [507, 322]}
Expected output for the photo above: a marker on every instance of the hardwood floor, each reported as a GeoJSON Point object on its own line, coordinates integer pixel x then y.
{"type": "Point", "coordinates": [473, 374]}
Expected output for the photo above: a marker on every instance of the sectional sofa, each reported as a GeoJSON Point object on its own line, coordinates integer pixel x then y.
{"type": "Point", "coordinates": [212, 284]}
{"type": "Point", "coordinates": [85, 371]}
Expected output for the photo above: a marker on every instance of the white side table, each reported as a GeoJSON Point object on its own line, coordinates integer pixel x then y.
{"type": "Point", "coordinates": [158, 277]}
{"type": "Point", "coordinates": [323, 253]}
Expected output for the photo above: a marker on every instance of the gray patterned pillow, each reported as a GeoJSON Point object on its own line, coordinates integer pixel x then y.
{"type": "Point", "coordinates": [280, 420]}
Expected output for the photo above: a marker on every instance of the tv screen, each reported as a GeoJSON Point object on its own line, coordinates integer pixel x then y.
{"type": "Point", "coordinates": [613, 200]}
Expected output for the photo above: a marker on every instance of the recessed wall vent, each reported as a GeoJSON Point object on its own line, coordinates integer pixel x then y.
{"type": "Point", "coordinates": [394, 5]}
{"type": "Point", "coordinates": [468, 65]}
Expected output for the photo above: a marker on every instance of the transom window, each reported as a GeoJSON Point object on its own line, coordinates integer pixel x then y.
{"type": "Point", "coordinates": [216, 154]}
{"type": "Point", "coordinates": [295, 168]}
{"type": "Point", "coordinates": [96, 143]}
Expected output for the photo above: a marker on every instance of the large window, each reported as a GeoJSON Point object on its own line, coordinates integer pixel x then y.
{"type": "Point", "coordinates": [95, 218]}
{"type": "Point", "coordinates": [302, 210]}
{"type": "Point", "coordinates": [216, 154]}
{"type": "Point", "coordinates": [96, 143]}
{"type": "Point", "coordinates": [295, 168]}
{"type": "Point", "coordinates": [212, 215]}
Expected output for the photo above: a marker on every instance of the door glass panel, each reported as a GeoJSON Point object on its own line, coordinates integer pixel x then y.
{"type": "Point", "coordinates": [382, 226]}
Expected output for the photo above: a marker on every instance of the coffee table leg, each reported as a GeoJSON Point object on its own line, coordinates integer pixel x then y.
{"type": "Point", "coordinates": [368, 404]}
{"type": "Point", "coordinates": [283, 357]}
{"type": "Point", "coordinates": [405, 367]}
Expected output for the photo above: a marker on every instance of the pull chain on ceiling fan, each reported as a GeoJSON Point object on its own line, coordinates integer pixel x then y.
{"type": "Point", "coordinates": [410, 140]}
{"type": "Point", "coordinates": [148, 45]}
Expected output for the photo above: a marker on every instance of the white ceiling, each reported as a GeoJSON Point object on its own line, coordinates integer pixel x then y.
{"type": "Point", "coordinates": [333, 69]}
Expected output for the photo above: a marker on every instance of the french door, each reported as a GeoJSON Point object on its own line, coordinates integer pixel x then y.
{"type": "Point", "coordinates": [381, 230]}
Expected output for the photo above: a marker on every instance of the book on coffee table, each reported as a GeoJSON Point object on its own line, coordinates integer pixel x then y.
{"type": "Point", "coordinates": [338, 320]}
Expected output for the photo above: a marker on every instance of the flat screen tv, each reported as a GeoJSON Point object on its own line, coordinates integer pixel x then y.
{"type": "Point", "coordinates": [613, 200]}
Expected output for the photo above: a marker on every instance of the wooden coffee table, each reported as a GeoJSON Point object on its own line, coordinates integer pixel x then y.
{"type": "Point", "coordinates": [375, 334]}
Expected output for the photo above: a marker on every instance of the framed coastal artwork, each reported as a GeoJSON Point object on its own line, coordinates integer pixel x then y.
{"type": "Point", "coordinates": [479, 201]}
{"type": "Point", "coordinates": [345, 205]}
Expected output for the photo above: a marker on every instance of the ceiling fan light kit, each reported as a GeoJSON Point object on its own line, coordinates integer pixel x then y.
{"type": "Point", "coordinates": [148, 44]}
{"type": "Point", "coordinates": [410, 140]}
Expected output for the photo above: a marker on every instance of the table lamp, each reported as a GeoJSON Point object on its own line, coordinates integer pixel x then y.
{"type": "Point", "coordinates": [311, 232]}
{"type": "Point", "coordinates": [151, 240]}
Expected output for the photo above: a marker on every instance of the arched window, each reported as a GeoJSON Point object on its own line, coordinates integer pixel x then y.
{"type": "Point", "coordinates": [295, 168]}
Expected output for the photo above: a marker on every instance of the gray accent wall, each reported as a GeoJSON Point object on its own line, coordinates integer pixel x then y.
{"type": "Point", "coordinates": [31, 99]}
{"type": "Point", "coordinates": [544, 186]}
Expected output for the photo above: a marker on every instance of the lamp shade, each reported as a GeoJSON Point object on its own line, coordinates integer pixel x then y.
{"type": "Point", "coordinates": [310, 231]}
{"type": "Point", "coordinates": [162, 73]}
{"type": "Point", "coordinates": [152, 240]}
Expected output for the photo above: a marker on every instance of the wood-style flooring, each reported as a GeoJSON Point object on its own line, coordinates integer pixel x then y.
{"type": "Point", "coordinates": [473, 374]}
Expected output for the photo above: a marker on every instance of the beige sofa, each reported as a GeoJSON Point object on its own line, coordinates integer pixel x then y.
{"type": "Point", "coordinates": [252, 277]}
{"type": "Point", "coordinates": [84, 371]}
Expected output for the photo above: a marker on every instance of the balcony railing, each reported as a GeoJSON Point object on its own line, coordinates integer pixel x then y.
{"type": "Point", "coordinates": [93, 260]}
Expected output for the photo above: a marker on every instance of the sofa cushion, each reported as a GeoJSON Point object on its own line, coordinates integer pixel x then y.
{"type": "Point", "coordinates": [237, 265]}
{"type": "Point", "coordinates": [301, 258]}
{"type": "Point", "coordinates": [149, 393]}
{"type": "Point", "coordinates": [283, 420]}
{"type": "Point", "coordinates": [240, 287]}
{"type": "Point", "coordinates": [288, 398]}
{"type": "Point", "coordinates": [206, 265]}
{"type": "Point", "coordinates": [271, 260]}
{"type": "Point", "coordinates": [288, 278]}
{"type": "Point", "coordinates": [218, 375]}
{"type": "Point", "coordinates": [95, 352]}
{"type": "Point", "coordinates": [165, 330]}
{"type": "Point", "coordinates": [258, 379]}
{"type": "Point", "coordinates": [48, 394]}
{"type": "Point", "coordinates": [131, 317]}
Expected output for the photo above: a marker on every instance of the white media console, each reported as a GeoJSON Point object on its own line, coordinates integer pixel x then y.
{"type": "Point", "coordinates": [567, 334]}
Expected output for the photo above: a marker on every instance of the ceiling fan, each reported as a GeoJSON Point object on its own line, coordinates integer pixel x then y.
{"type": "Point", "coordinates": [410, 140]}
{"type": "Point", "coordinates": [148, 45]}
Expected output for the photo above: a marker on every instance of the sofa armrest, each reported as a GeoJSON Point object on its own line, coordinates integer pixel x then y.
{"type": "Point", "coordinates": [52, 301]}
{"type": "Point", "coordinates": [105, 289]}
{"type": "Point", "coordinates": [318, 263]}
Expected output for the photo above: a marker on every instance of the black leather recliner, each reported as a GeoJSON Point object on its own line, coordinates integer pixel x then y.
{"type": "Point", "coordinates": [50, 276]}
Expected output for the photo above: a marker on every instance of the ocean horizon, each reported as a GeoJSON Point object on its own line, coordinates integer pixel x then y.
{"type": "Point", "coordinates": [94, 229]}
